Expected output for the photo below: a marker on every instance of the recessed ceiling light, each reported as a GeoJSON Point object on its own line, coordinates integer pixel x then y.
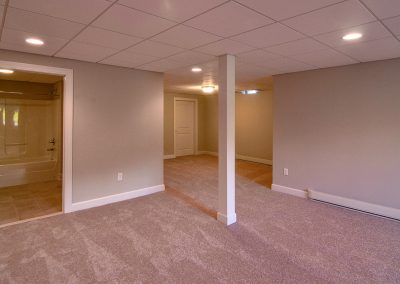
{"type": "Point", "coordinates": [208, 89]}
{"type": "Point", "coordinates": [249, 92]}
{"type": "Point", "coordinates": [352, 36]}
{"type": "Point", "coordinates": [196, 69]}
{"type": "Point", "coordinates": [34, 41]}
{"type": "Point", "coordinates": [6, 71]}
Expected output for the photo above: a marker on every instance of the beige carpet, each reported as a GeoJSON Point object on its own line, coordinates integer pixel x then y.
{"type": "Point", "coordinates": [163, 239]}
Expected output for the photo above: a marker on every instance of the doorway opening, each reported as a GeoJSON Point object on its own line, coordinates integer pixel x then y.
{"type": "Point", "coordinates": [35, 142]}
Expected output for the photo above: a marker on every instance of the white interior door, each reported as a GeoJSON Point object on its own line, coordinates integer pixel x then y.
{"type": "Point", "coordinates": [184, 127]}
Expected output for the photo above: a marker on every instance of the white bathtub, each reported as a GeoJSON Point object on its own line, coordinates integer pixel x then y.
{"type": "Point", "coordinates": [17, 172]}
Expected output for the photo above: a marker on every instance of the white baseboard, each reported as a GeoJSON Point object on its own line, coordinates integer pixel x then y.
{"type": "Point", "coordinates": [240, 157]}
{"type": "Point", "coordinates": [172, 156]}
{"type": "Point", "coordinates": [254, 159]}
{"type": "Point", "coordinates": [207, 153]}
{"type": "Point", "coordinates": [356, 204]}
{"type": "Point", "coordinates": [289, 190]}
{"type": "Point", "coordinates": [116, 198]}
{"type": "Point", "coordinates": [227, 220]}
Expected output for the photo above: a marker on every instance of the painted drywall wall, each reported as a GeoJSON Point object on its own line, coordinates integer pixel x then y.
{"type": "Point", "coordinates": [337, 131]}
{"type": "Point", "coordinates": [118, 121]}
{"type": "Point", "coordinates": [253, 124]}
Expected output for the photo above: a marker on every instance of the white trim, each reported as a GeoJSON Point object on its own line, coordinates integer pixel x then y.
{"type": "Point", "coordinates": [356, 204]}
{"type": "Point", "coordinates": [254, 159]}
{"type": "Point", "coordinates": [207, 153]}
{"type": "Point", "coordinates": [68, 112]}
{"type": "Point", "coordinates": [239, 157]}
{"type": "Point", "coordinates": [196, 123]}
{"type": "Point", "coordinates": [116, 198]}
{"type": "Point", "coordinates": [289, 190]}
{"type": "Point", "coordinates": [226, 220]}
{"type": "Point", "coordinates": [167, 157]}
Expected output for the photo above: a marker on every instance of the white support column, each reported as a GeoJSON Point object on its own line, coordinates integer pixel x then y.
{"type": "Point", "coordinates": [226, 140]}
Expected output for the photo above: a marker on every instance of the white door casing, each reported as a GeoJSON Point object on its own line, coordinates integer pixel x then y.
{"type": "Point", "coordinates": [185, 126]}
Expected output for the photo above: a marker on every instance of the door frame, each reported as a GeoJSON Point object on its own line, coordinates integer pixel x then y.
{"type": "Point", "coordinates": [68, 111]}
{"type": "Point", "coordinates": [195, 128]}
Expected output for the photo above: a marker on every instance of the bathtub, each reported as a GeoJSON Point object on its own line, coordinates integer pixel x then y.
{"type": "Point", "coordinates": [18, 171]}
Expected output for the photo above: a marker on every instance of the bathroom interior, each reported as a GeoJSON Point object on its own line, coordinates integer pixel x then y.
{"type": "Point", "coordinates": [31, 149]}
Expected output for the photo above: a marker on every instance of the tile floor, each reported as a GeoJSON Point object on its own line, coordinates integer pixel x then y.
{"type": "Point", "coordinates": [29, 201]}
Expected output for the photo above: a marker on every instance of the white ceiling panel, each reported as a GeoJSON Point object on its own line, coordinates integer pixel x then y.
{"type": "Point", "coordinates": [228, 20]}
{"type": "Point", "coordinates": [74, 10]}
{"type": "Point", "coordinates": [296, 47]}
{"type": "Point", "coordinates": [225, 46]}
{"type": "Point", "coordinates": [15, 40]}
{"type": "Point", "coordinates": [384, 8]}
{"type": "Point", "coordinates": [191, 57]}
{"type": "Point", "coordinates": [85, 52]}
{"type": "Point", "coordinates": [283, 9]}
{"type": "Point", "coordinates": [176, 10]}
{"type": "Point", "coordinates": [185, 37]}
{"type": "Point", "coordinates": [128, 59]}
{"type": "Point", "coordinates": [132, 22]}
{"type": "Point", "coordinates": [393, 24]}
{"type": "Point", "coordinates": [373, 50]}
{"type": "Point", "coordinates": [40, 24]}
{"type": "Point", "coordinates": [92, 35]}
{"type": "Point", "coordinates": [339, 16]}
{"type": "Point", "coordinates": [257, 57]}
{"type": "Point", "coordinates": [287, 65]}
{"type": "Point", "coordinates": [162, 65]}
{"type": "Point", "coordinates": [155, 49]}
{"type": "Point", "coordinates": [370, 31]}
{"type": "Point", "coordinates": [324, 58]}
{"type": "Point", "coordinates": [268, 36]}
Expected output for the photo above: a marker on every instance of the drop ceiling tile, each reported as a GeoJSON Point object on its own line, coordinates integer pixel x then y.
{"type": "Point", "coordinates": [155, 49]}
{"type": "Point", "coordinates": [296, 47]}
{"type": "Point", "coordinates": [228, 20]}
{"type": "Point", "coordinates": [132, 22]}
{"type": "Point", "coordinates": [267, 36]}
{"type": "Point", "coordinates": [85, 52]}
{"type": "Point", "coordinates": [225, 46]}
{"type": "Point", "coordinates": [185, 37]}
{"type": "Point", "coordinates": [176, 10]}
{"type": "Point", "coordinates": [339, 16]}
{"type": "Point", "coordinates": [393, 24]}
{"type": "Point", "coordinates": [324, 58]}
{"type": "Point", "coordinates": [41, 24]}
{"type": "Point", "coordinates": [370, 31]}
{"type": "Point", "coordinates": [384, 8]}
{"type": "Point", "coordinates": [258, 57]}
{"type": "Point", "coordinates": [15, 40]}
{"type": "Point", "coordinates": [288, 65]}
{"type": "Point", "coordinates": [191, 57]}
{"type": "Point", "coordinates": [283, 9]}
{"type": "Point", "coordinates": [74, 10]}
{"type": "Point", "coordinates": [373, 50]}
{"type": "Point", "coordinates": [92, 35]}
{"type": "Point", "coordinates": [161, 65]}
{"type": "Point", "coordinates": [128, 59]}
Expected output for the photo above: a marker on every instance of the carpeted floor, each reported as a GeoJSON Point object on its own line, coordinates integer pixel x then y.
{"type": "Point", "coordinates": [162, 238]}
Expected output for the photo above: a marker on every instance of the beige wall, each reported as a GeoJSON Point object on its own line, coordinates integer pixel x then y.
{"type": "Point", "coordinates": [118, 120]}
{"type": "Point", "coordinates": [337, 130]}
{"type": "Point", "coordinates": [253, 124]}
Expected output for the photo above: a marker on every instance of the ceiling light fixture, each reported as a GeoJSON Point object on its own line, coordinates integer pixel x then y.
{"type": "Point", "coordinates": [249, 92]}
{"type": "Point", "coordinates": [6, 71]}
{"type": "Point", "coordinates": [352, 36]}
{"type": "Point", "coordinates": [196, 69]}
{"type": "Point", "coordinates": [34, 41]}
{"type": "Point", "coordinates": [208, 89]}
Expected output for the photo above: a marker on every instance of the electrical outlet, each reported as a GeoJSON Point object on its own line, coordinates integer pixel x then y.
{"type": "Point", "coordinates": [285, 171]}
{"type": "Point", "coordinates": [120, 176]}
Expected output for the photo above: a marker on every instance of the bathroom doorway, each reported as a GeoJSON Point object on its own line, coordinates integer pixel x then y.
{"type": "Point", "coordinates": [31, 144]}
